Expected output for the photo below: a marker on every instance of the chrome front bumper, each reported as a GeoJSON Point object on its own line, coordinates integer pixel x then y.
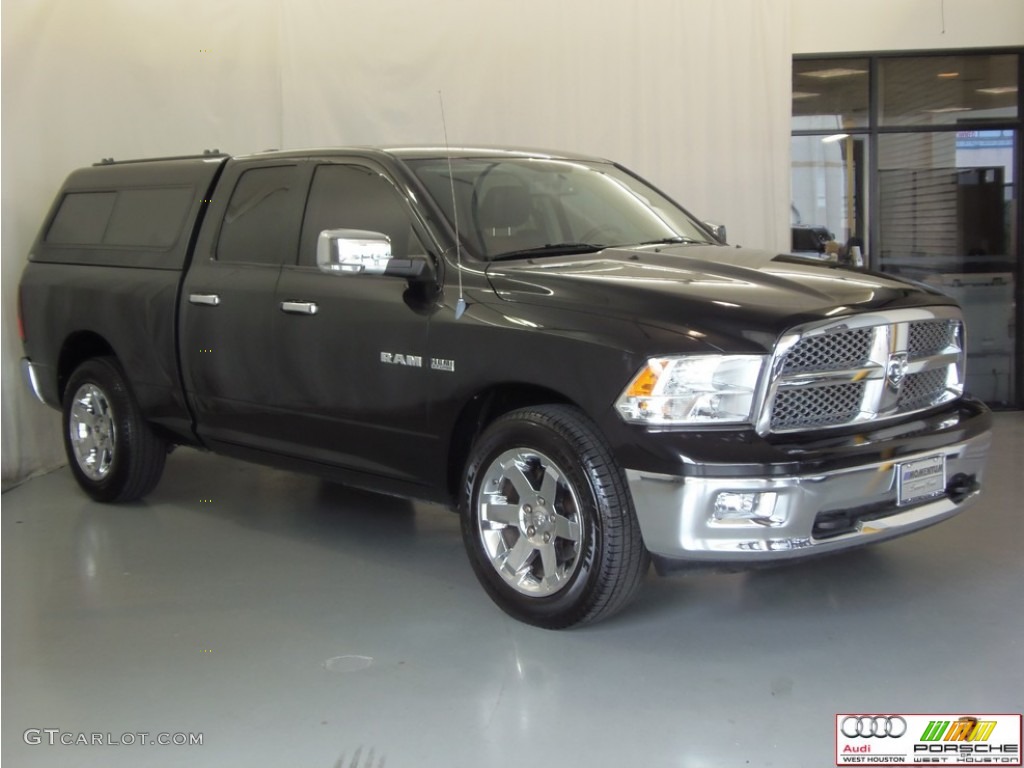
{"type": "Point", "coordinates": [678, 521]}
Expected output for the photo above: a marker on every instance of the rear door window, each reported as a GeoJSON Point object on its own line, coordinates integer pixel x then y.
{"type": "Point", "coordinates": [262, 219]}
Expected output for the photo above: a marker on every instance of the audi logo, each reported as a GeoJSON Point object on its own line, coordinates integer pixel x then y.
{"type": "Point", "coordinates": [873, 726]}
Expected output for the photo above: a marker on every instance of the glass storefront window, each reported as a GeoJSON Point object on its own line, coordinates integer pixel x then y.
{"type": "Point", "coordinates": [830, 95]}
{"type": "Point", "coordinates": [915, 160]}
{"type": "Point", "coordinates": [949, 219]}
{"type": "Point", "coordinates": [828, 177]}
{"type": "Point", "coordinates": [948, 90]}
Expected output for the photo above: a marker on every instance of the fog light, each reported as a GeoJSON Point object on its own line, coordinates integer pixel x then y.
{"type": "Point", "coordinates": [732, 508]}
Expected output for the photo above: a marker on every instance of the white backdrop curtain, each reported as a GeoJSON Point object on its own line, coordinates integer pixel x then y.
{"type": "Point", "coordinates": [693, 94]}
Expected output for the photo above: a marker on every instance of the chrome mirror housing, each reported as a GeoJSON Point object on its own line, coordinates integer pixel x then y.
{"type": "Point", "coordinates": [353, 251]}
{"type": "Point", "coordinates": [347, 252]}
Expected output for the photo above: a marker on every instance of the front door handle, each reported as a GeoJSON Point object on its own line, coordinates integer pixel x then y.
{"type": "Point", "coordinates": [299, 307]}
{"type": "Point", "coordinates": [209, 299]}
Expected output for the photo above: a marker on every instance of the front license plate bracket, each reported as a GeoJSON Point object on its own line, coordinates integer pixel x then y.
{"type": "Point", "coordinates": [920, 479]}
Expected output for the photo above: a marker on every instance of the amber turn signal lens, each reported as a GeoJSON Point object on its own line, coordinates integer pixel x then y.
{"type": "Point", "coordinates": [643, 385]}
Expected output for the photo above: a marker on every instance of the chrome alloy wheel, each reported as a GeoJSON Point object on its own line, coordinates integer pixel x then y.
{"type": "Point", "coordinates": [92, 432]}
{"type": "Point", "coordinates": [531, 524]}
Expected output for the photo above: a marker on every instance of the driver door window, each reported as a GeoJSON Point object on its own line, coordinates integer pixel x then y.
{"type": "Point", "coordinates": [354, 197]}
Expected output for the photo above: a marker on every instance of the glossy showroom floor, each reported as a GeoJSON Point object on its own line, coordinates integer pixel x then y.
{"type": "Point", "coordinates": [294, 623]}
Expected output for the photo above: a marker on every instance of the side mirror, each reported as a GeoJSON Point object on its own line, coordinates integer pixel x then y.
{"type": "Point", "coordinates": [717, 231]}
{"type": "Point", "coordinates": [345, 252]}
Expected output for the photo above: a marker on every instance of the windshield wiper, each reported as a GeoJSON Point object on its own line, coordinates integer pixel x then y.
{"type": "Point", "coordinates": [551, 249]}
{"type": "Point", "coordinates": [678, 239]}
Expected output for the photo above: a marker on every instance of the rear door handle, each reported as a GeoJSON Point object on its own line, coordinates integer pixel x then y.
{"type": "Point", "coordinates": [209, 299]}
{"type": "Point", "coordinates": [299, 307]}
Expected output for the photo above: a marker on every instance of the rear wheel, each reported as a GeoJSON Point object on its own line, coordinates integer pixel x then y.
{"type": "Point", "coordinates": [112, 451]}
{"type": "Point", "coordinates": [548, 521]}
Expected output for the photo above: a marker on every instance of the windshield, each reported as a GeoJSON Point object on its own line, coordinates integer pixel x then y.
{"type": "Point", "coordinates": [512, 206]}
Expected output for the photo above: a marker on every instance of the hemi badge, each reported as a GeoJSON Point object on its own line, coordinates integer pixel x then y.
{"type": "Point", "coordinates": [440, 364]}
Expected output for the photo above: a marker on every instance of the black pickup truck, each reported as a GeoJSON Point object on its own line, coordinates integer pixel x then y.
{"type": "Point", "coordinates": [544, 341]}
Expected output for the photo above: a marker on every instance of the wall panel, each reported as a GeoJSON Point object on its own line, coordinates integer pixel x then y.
{"type": "Point", "coordinates": [693, 95]}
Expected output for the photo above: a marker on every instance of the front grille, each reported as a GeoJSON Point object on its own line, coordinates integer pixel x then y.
{"type": "Point", "coordinates": [865, 368]}
{"type": "Point", "coordinates": [817, 406]}
{"type": "Point", "coordinates": [932, 337]}
{"type": "Point", "coordinates": [919, 389]}
{"type": "Point", "coordinates": [845, 349]}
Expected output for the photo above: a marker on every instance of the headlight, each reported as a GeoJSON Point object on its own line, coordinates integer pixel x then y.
{"type": "Point", "coordinates": [698, 389]}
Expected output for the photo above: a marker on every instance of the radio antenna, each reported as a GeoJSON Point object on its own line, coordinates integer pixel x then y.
{"type": "Point", "coordinates": [460, 305]}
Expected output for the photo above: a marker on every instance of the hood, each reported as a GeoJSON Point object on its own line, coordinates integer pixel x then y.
{"type": "Point", "coordinates": [723, 294]}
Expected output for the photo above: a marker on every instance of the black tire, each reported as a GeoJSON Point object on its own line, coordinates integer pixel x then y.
{"type": "Point", "coordinates": [112, 451]}
{"type": "Point", "coordinates": [551, 562]}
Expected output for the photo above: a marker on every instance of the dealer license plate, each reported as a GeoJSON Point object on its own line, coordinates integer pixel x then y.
{"type": "Point", "coordinates": [921, 479]}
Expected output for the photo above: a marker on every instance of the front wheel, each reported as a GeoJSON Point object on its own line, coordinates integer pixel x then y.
{"type": "Point", "coordinates": [548, 521]}
{"type": "Point", "coordinates": [113, 453]}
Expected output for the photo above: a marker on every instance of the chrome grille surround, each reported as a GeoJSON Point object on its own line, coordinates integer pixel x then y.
{"type": "Point", "coordinates": [864, 368]}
